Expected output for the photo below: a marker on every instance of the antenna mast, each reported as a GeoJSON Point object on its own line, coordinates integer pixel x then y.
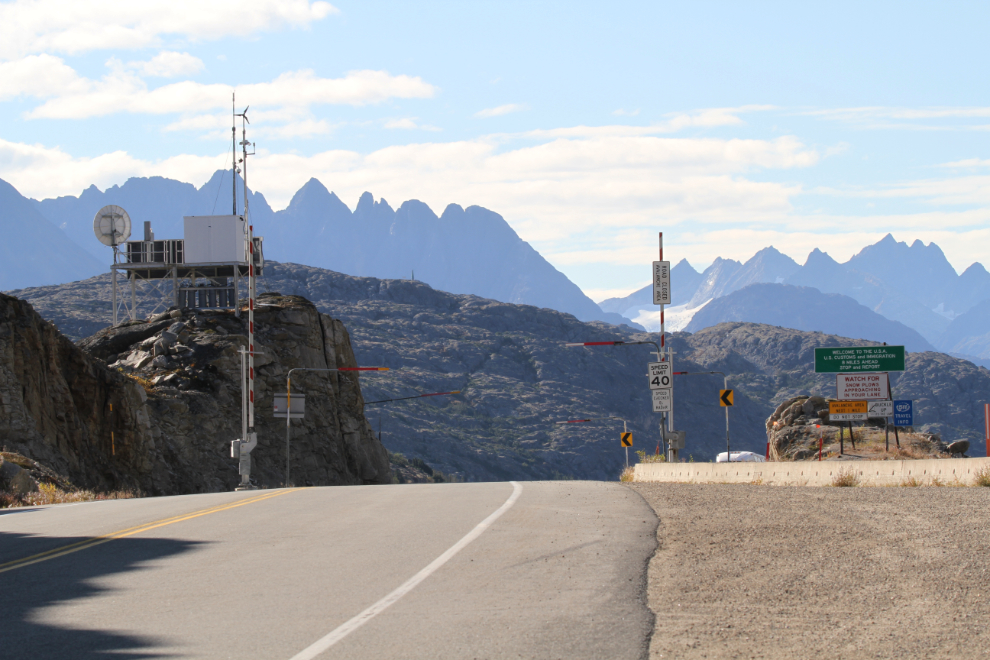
{"type": "Point", "coordinates": [252, 283]}
{"type": "Point", "coordinates": [233, 148]}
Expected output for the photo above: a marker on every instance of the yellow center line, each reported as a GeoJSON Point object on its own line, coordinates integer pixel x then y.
{"type": "Point", "coordinates": [130, 531]}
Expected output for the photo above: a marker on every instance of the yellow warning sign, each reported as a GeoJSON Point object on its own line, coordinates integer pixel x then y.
{"type": "Point", "coordinates": [847, 407]}
{"type": "Point", "coordinates": [725, 398]}
{"type": "Point", "coordinates": [626, 439]}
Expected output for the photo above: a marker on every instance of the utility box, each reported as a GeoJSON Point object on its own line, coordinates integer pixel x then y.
{"type": "Point", "coordinates": [298, 405]}
{"type": "Point", "coordinates": [675, 439]}
{"type": "Point", "coordinates": [210, 239]}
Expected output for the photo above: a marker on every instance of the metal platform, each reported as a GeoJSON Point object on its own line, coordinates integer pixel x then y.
{"type": "Point", "coordinates": [155, 273]}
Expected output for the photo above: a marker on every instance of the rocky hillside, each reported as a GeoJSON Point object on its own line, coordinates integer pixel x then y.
{"type": "Point", "coordinates": [517, 378]}
{"type": "Point", "coordinates": [114, 412]}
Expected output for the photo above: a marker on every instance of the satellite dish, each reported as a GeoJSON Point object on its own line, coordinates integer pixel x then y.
{"type": "Point", "coordinates": [112, 225]}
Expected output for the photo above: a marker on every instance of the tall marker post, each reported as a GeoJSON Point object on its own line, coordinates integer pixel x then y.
{"type": "Point", "coordinates": [242, 447]}
{"type": "Point", "coordinates": [661, 296]}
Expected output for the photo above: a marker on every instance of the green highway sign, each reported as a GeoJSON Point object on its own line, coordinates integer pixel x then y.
{"type": "Point", "coordinates": [858, 359]}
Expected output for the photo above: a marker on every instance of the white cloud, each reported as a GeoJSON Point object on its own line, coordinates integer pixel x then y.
{"type": "Point", "coordinates": [72, 27]}
{"type": "Point", "coordinates": [672, 123]}
{"type": "Point", "coordinates": [169, 64]}
{"type": "Point", "coordinates": [39, 76]}
{"type": "Point", "coordinates": [501, 110]}
{"type": "Point", "coordinates": [912, 119]}
{"type": "Point", "coordinates": [966, 163]}
{"type": "Point", "coordinates": [409, 123]}
{"type": "Point", "coordinates": [625, 113]}
{"type": "Point", "coordinates": [70, 96]}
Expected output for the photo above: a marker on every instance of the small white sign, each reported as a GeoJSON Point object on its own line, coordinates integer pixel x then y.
{"type": "Point", "coordinates": [661, 282]}
{"type": "Point", "coordinates": [847, 417]}
{"type": "Point", "coordinates": [660, 376]}
{"type": "Point", "coordinates": [881, 409]}
{"type": "Point", "coordinates": [859, 387]}
{"type": "Point", "coordinates": [663, 400]}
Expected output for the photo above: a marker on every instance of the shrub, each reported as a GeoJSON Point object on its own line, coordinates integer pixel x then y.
{"type": "Point", "coordinates": [982, 477]}
{"type": "Point", "coordinates": [650, 458]}
{"type": "Point", "coordinates": [627, 474]}
{"type": "Point", "coordinates": [845, 479]}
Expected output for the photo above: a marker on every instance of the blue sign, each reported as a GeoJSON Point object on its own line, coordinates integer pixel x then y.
{"type": "Point", "coordinates": [904, 413]}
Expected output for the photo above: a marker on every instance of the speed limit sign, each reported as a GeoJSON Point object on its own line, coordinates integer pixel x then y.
{"type": "Point", "coordinates": [660, 376]}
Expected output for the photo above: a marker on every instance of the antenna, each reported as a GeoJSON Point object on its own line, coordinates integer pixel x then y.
{"type": "Point", "coordinates": [233, 148]}
{"type": "Point", "coordinates": [112, 227]}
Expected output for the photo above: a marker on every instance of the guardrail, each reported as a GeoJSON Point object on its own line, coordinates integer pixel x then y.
{"type": "Point", "coordinates": [947, 471]}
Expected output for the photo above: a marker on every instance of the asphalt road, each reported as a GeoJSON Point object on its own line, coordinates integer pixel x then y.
{"type": "Point", "coordinates": [496, 570]}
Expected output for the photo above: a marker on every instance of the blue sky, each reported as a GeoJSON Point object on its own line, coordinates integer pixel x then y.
{"type": "Point", "coordinates": [588, 126]}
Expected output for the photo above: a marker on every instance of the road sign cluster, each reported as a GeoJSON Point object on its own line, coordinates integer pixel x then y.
{"type": "Point", "coordinates": [862, 383]}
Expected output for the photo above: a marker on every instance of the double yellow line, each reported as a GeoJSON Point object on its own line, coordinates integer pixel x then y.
{"type": "Point", "coordinates": [131, 531]}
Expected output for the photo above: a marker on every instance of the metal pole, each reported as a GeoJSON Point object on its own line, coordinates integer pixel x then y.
{"type": "Point", "coordinates": [288, 419]}
{"type": "Point", "coordinates": [113, 279]}
{"type": "Point", "coordinates": [244, 406]}
{"type": "Point", "coordinates": [666, 423]}
{"type": "Point", "coordinates": [133, 313]}
{"type": "Point", "coordinates": [175, 286]}
{"type": "Point", "coordinates": [233, 146]}
{"type": "Point", "coordinates": [625, 430]}
{"type": "Point", "coordinates": [670, 416]}
{"type": "Point", "coordinates": [728, 452]}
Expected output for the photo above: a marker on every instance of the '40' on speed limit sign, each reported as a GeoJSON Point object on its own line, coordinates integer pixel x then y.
{"type": "Point", "coordinates": [660, 376]}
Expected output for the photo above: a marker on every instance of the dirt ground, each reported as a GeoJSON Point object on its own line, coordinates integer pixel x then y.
{"type": "Point", "coordinates": [747, 571]}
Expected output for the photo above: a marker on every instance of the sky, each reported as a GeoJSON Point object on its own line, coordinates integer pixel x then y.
{"type": "Point", "coordinates": [589, 127]}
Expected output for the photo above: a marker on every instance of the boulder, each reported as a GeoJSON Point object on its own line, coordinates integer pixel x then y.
{"type": "Point", "coordinates": [15, 479]}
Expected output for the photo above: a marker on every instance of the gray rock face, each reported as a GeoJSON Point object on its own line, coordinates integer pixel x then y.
{"type": "Point", "coordinates": [166, 427]}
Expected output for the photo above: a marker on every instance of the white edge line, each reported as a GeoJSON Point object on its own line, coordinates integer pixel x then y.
{"type": "Point", "coordinates": [367, 615]}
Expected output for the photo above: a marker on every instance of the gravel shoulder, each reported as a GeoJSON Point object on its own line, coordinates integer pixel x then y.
{"type": "Point", "coordinates": [747, 571]}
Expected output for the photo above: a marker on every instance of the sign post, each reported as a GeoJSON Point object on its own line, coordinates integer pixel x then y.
{"type": "Point", "coordinates": [626, 440]}
{"type": "Point", "coordinates": [661, 296]}
{"type": "Point", "coordinates": [986, 421]}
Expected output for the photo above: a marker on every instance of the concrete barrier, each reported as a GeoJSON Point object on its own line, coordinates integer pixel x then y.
{"type": "Point", "coordinates": [949, 471]}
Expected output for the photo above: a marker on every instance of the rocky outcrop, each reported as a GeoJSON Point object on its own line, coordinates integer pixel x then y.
{"type": "Point", "coordinates": [163, 423]}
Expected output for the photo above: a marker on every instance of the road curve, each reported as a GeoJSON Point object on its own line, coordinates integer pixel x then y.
{"type": "Point", "coordinates": [493, 570]}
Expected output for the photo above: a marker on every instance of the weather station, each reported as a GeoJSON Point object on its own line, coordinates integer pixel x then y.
{"type": "Point", "coordinates": [205, 269]}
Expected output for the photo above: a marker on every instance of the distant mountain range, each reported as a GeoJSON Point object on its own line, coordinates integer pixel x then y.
{"type": "Point", "coordinates": [33, 252]}
{"type": "Point", "coordinates": [474, 251]}
{"type": "Point", "coordinates": [914, 285]}
{"type": "Point", "coordinates": [471, 250]}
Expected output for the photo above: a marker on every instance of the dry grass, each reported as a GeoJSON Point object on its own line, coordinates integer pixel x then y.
{"type": "Point", "coordinates": [148, 386]}
{"type": "Point", "coordinates": [845, 479]}
{"type": "Point", "coordinates": [651, 458]}
{"type": "Point", "coordinates": [982, 477]}
{"type": "Point", "coordinates": [50, 494]}
{"type": "Point", "coordinates": [627, 474]}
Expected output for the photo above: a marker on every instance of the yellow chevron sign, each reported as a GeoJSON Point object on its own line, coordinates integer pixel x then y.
{"type": "Point", "coordinates": [626, 439]}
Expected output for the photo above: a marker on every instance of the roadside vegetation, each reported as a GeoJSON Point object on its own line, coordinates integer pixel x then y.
{"type": "Point", "coordinates": [25, 482]}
